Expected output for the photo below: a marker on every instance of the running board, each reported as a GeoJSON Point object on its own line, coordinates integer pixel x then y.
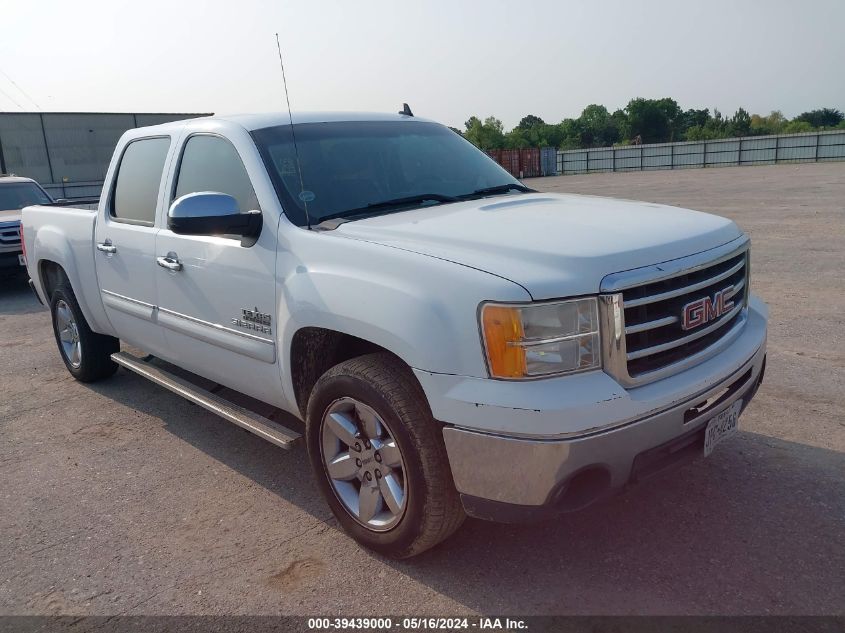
{"type": "Point", "coordinates": [244, 418]}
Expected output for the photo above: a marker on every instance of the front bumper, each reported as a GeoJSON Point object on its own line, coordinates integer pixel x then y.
{"type": "Point", "coordinates": [512, 478]}
{"type": "Point", "coordinates": [10, 259]}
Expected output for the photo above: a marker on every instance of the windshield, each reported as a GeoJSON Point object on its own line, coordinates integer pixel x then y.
{"type": "Point", "coordinates": [349, 166]}
{"type": "Point", "coordinates": [17, 195]}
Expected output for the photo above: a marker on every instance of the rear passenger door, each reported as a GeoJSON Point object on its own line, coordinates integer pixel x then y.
{"type": "Point", "coordinates": [124, 242]}
{"type": "Point", "coordinates": [218, 309]}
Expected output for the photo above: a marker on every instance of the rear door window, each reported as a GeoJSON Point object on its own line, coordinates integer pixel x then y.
{"type": "Point", "coordinates": [139, 180]}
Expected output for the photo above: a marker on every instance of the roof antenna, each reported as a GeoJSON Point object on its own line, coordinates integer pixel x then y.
{"type": "Point", "coordinates": [304, 195]}
{"type": "Point", "coordinates": [406, 110]}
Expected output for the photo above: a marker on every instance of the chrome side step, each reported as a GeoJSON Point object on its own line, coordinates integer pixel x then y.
{"type": "Point", "coordinates": [244, 418]}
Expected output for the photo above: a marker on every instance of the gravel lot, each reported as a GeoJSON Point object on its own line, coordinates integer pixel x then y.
{"type": "Point", "coordinates": [121, 498]}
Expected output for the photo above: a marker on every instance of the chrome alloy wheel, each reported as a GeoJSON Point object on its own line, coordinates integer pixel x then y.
{"type": "Point", "coordinates": [364, 464]}
{"type": "Point", "coordinates": [68, 334]}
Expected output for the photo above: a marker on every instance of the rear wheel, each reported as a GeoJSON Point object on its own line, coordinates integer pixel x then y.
{"type": "Point", "coordinates": [379, 457]}
{"type": "Point", "coordinates": [86, 354]}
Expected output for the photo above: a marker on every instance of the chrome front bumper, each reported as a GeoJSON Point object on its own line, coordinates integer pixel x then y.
{"type": "Point", "coordinates": [514, 478]}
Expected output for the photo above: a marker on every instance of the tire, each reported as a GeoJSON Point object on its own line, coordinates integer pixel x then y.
{"type": "Point", "coordinates": [410, 451]}
{"type": "Point", "coordinates": [86, 354]}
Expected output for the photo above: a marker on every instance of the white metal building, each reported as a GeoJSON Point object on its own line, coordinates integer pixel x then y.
{"type": "Point", "coordinates": [67, 152]}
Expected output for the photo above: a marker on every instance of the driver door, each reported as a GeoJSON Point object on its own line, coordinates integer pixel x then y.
{"type": "Point", "coordinates": [217, 294]}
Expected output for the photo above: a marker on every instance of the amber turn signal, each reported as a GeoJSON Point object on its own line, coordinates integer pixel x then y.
{"type": "Point", "coordinates": [502, 327]}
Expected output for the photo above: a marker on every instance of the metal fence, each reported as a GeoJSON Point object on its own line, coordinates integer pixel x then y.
{"type": "Point", "coordinates": [748, 150]}
{"type": "Point", "coordinates": [67, 152]}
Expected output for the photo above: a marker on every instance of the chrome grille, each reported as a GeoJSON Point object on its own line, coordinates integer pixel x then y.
{"type": "Point", "coordinates": [9, 235]}
{"type": "Point", "coordinates": [643, 318]}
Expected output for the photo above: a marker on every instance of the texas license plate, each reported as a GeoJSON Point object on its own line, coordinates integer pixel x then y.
{"type": "Point", "coordinates": [721, 427]}
{"type": "Point", "coordinates": [21, 260]}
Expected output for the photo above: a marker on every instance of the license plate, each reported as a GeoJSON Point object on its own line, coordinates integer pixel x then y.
{"type": "Point", "coordinates": [21, 260]}
{"type": "Point", "coordinates": [723, 426]}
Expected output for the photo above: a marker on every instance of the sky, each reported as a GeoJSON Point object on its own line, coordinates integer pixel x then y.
{"type": "Point", "coordinates": [448, 60]}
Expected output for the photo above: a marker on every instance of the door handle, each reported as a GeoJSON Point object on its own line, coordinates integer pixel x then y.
{"type": "Point", "coordinates": [170, 262]}
{"type": "Point", "coordinates": [107, 247]}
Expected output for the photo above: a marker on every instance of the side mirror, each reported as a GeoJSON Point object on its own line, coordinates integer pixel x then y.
{"type": "Point", "coordinates": [212, 213]}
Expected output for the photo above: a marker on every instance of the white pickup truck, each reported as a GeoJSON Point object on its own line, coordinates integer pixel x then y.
{"type": "Point", "coordinates": [455, 342]}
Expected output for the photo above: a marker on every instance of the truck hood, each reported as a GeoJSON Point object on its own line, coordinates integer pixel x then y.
{"type": "Point", "coordinates": [554, 245]}
{"type": "Point", "coordinates": [10, 215]}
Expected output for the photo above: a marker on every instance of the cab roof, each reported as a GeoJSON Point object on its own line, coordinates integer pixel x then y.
{"type": "Point", "coordinates": [8, 178]}
{"type": "Point", "coordinates": [258, 121]}
{"type": "Point", "coordinates": [270, 119]}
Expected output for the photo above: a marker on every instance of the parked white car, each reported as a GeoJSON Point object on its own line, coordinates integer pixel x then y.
{"type": "Point", "coordinates": [455, 342]}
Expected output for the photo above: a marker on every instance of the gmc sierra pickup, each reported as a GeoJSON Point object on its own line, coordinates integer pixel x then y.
{"type": "Point", "coordinates": [455, 342]}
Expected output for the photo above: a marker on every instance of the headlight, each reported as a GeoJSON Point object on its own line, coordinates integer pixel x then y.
{"type": "Point", "coordinates": [541, 339]}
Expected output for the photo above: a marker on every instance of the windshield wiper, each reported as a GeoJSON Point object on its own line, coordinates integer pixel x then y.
{"type": "Point", "coordinates": [375, 208]}
{"type": "Point", "coordinates": [386, 206]}
{"type": "Point", "coordinates": [514, 186]}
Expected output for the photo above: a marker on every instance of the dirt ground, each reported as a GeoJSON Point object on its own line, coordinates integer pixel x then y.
{"type": "Point", "coordinates": [121, 498]}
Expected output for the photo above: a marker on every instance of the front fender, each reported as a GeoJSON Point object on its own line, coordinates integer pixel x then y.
{"type": "Point", "coordinates": [422, 309]}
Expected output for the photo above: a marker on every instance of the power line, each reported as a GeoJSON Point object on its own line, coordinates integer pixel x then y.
{"type": "Point", "coordinates": [9, 97]}
{"type": "Point", "coordinates": [21, 90]}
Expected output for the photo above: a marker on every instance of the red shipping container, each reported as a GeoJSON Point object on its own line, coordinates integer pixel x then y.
{"type": "Point", "coordinates": [495, 154]}
{"type": "Point", "coordinates": [529, 162]}
{"type": "Point", "coordinates": [510, 161]}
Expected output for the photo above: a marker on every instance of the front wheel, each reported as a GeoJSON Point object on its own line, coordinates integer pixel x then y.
{"type": "Point", "coordinates": [86, 354]}
{"type": "Point", "coordinates": [379, 457]}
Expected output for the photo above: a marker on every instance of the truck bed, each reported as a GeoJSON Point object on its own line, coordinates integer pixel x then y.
{"type": "Point", "coordinates": [65, 235]}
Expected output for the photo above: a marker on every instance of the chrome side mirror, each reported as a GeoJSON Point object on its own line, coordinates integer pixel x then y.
{"type": "Point", "coordinates": [212, 213]}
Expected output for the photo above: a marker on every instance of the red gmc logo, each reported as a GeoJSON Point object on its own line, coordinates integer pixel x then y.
{"type": "Point", "coordinates": [704, 310]}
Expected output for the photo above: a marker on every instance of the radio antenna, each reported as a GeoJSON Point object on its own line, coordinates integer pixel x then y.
{"type": "Point", "coordinates": [303, 195]}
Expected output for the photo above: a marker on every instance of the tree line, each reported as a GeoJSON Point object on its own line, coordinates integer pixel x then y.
{"type": "Point", "coordinates": [642, 121]}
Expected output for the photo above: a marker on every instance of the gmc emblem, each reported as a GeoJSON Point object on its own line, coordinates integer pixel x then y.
{"type": "Point", "coordinates": [704, 310]}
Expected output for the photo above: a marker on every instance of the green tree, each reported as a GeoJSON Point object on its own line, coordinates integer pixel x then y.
{"type": "Point", "coordinates": [674, 117]}
{"type": "Point", "coordinates": [795, 127]}
{"type": "Point", "coordinates": [649, 120]}
{"type": "Point", "coordinates": [773, 123]}
{"type": "Point", "coordinates": [699, 133]}
{"type": "Point", "coordinates": [824, 117]}
{"type": "Point", "coordinates": [532, 131]}
{"type": "Point", "coordinates": [696, 117]}
{"type": "Point", "coordinates": [597, 127]}
{"type": "Point", "coordinates": [538, 137]}
{"type": "Point", "coordinates": [714, 127]}
{"type": "Point", "coordinates": [620, 122]}
{"type": "Point", "coordinates": [553, 135]}
{"type": "Point", "coordinates": [570, 134]}
{"type": "Point", "coordinates": [654, 120]}
{"type": "Point", "coordinates": [486, 135]}
{"type": "Point", "coordinates": [517, 138]}
{"type": "Point", "coordinates": [529, 122]}
{"type": "Point", "coordinates": [740, 123]}
{"type": "Point", "coordinates": [494, 131]}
